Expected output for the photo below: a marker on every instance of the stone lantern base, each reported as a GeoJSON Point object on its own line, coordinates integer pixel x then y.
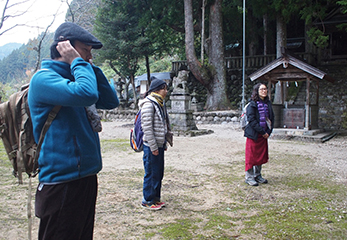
{"type": "Point", "coordinates": [181, 119]}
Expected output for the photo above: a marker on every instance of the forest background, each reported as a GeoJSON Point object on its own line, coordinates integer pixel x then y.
{"type": "Point", "coordinates": [146, 36]}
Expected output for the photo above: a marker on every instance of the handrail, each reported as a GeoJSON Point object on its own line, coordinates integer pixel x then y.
{"type": "Point", "coordinates": [256, 61]}
{"type": "Point", "coordinates": [250, 61]}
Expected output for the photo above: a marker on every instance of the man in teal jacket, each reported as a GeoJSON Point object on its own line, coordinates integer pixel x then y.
{"type": "Point", "coordinates": [70, 155]}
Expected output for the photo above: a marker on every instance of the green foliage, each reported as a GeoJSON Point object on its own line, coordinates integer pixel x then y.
{"type": "Point", "coordinates": [163, 64]}
{"type": "Point", "coordinates": [181, 229]}
{"type": "Point", "coordinates": [131, 30]}
{"type": "Point", "coordinates": [117, 26]}
{"type": "Point", "coordinates": [17, 67]}
{"type": "Point", "coordinates": [6, 49]}
{"type": "Point", "coordinates": [285, 8]}
{"type": "Point", "coordinates": [311, 13]}
{"type": "Point", "coordinates": [12, 68]}
{"type": "Point", "coordinates": [317, 37]}
{"type": "Point", "coordinates": [316, 12]}
{"type": "Point", "coordinates": [107, 70]}
{"type": "Point", "coordinates": [114, 144]}
{"type": "Point", "coordinates": [6, 90]}
{"type": "Point", "coordinates": [217, 221]}
{"type": "Point", "coordinates": [290, 221]}
{"type": "Point", "coordinates": [156, 65]}
{"type": "Point", "coordinates": [342, 27]}
{"type": "Point", "coordinates": [344, 120]}
{"type": "Point", "coordinates": [343, 4]}
{"type": "Point", "coordinates": [4, 161]}
{"type": "Point", "coordinates": [343, 8]}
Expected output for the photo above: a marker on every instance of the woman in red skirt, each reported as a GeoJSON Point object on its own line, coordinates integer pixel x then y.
{"type": "Point", "coordinates": [260, 124]}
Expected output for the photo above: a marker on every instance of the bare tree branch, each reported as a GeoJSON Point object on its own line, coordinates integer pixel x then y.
{"type": "Point", "coordinates": [39, 46]}
{"type": "Point", "coordinates": [5, 15]}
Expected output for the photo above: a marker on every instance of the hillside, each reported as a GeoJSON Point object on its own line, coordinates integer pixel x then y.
{"type": "Point", "coordinates": [15, 67]}
{"type": "Point", "coordinates": [8, 48]}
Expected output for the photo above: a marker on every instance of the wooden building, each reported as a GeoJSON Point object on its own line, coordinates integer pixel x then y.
{"type": "Point", "coordinates": [285, 71]}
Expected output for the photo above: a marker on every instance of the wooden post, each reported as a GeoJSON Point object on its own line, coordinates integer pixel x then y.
{"type": "Point", "coordinates": [307, 105]}
{"type": "Point", "coordinates": [281, 92]}
{"type": "Point", "coordinates": [317, 99]}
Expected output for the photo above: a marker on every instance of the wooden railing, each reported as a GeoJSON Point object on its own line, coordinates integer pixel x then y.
{"type": "Point", "coordinates": [257, 61]}
{"type": "Point", "coordinates": [232, 62]}
{"type": "Point", "coordinates": [250, 62]}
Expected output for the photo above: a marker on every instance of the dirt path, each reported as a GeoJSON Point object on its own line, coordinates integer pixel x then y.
{"type": "Point", "coordinates": [193, 153]}
{"type": "Point", "coordinates": [200, 173]}
{"type": "Point", "coordinates": [194, 167]}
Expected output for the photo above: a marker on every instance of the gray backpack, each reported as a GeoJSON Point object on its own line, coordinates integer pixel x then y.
{"type": "Point", "coordinates": [243, 119]}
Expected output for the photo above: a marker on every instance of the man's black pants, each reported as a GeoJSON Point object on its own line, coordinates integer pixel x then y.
{"type": "Point", "coordinates": [67, 210]}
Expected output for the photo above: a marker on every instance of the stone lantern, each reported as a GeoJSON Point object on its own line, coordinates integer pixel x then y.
{"type": "Point", "coordinates": [181, 116]}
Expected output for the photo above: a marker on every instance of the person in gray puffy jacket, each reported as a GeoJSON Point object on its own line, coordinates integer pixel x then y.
{"type": "Point", "coordinates": [155, 126]}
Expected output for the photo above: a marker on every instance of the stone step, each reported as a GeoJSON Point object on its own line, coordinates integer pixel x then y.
{"type": "Point", "coordinates": [302, 135]}
{"type": "Point", "coordinates": [293, 131]}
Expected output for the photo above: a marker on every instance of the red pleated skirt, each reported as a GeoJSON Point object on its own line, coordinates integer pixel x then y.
{"type": "Point", "coordinates": [256, 152]}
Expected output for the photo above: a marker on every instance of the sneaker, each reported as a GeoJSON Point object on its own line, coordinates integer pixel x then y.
{"type": "Point", "coordinates": [251, 182]}
{"type": "Point", "coordinates": [162, 204]}
{"type": "Point", "coordinates": [151, 206]}
{"type": "Point", "coordinates": [259, 179]}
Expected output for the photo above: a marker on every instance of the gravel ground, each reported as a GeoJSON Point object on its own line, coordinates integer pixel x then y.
{"type": "Point", "coordinates": [331, 154]}
{"type": "Point", "coordinates": [191, 166]}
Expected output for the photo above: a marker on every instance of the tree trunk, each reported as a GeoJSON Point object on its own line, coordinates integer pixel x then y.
{"type": "Point", "coordinates": [195, 66]}
{"type": "Point", "coordinates": [265, 25]}
{"type": "Point", "coordinates": [217, 98]}
{"type": "Point", "coordinates": [214, 77]}
{"type": "Point", "coordinates": [148, 72]}
{"type": "Point", "coordinates": [132, 82]}
{"type": "Point", "coordinates": [252, 41]}
{"type": "Point", "coordinates": [281, 36]}
{"type": "Point", "coordinates": [281, 44]}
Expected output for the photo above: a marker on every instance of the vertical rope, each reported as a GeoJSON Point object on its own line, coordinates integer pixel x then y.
{"type": "Point", "coordinates": [29, 210]}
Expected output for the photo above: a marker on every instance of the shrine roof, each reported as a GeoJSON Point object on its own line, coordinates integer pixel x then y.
{"type": "Point", "coordinates": [289, 68]}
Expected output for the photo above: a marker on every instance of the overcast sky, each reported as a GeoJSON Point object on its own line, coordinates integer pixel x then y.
{"type": "Point", "coordinates": [39, 15]}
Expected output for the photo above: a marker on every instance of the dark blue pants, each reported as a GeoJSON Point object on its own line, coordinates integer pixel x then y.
{"type": "Point", "coordinates": [67, 210]}
{"type": "Point", "coordinates": [154, 173]}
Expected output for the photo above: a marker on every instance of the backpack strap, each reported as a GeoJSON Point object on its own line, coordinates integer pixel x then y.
{"type": "Point", "coordinates": [53, 113]}
{"type": "Point", "coordinates": [44, 130]}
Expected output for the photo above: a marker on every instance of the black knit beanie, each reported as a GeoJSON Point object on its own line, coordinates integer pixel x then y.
{"type": "Point", "coordinates": [156, 84]}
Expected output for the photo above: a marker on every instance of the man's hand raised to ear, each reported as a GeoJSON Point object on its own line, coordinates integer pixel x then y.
{"type": "Point", "coordinates": [67, 51]}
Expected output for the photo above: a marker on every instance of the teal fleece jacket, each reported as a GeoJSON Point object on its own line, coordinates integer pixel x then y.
{"type": "Point", "coordinates": [71, 149]}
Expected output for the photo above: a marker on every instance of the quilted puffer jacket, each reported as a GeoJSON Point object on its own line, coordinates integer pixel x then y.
{"type": "Point", "coordinates": [153, 122]}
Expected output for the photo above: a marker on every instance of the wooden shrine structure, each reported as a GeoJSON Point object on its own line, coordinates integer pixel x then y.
{"type": "Point", "coordinates": [287, 70]}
